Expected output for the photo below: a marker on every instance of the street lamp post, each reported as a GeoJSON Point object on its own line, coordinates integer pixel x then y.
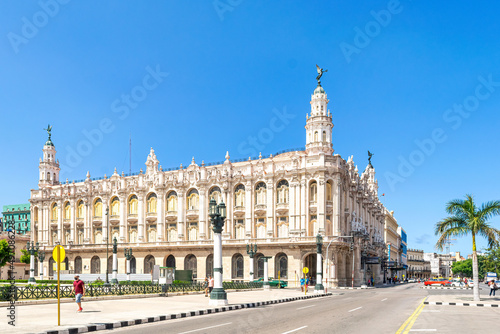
{"type": "Point", "coordinates": [251, 251]}
{"type": "Point", "coordinates": [107, 247]}
{"type": "Point", "coordinates": [128, 256]}
{"type": "Point", "coordinates": [41, 257]}
{"type": "Point", "coordinates": [114, 280]}
{"type": "Point", "coordinates": [319, 288]}
{"type": "Point", "coordinates": [32, 249]}
{"type": "Point", "coordinates": [266, 284]}
{"type": "Point", "coordinates": [217, 213]}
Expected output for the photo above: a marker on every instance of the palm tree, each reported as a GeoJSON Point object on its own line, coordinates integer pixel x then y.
{"type": "Point", "coordinates": [467, 218]}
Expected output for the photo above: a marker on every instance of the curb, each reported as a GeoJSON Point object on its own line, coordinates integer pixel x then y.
{"type": "Point", "coordinates": [119, 324]}
{"type": "Point", "coordinates": [461, 304]}
{"type": "Point", "coordinates": [445, 287]}
{"type": "Point", "coordinates": [351, 288]}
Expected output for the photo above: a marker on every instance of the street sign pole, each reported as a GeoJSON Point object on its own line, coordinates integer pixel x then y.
{"type": "Point", "coordinates": [58, 287]}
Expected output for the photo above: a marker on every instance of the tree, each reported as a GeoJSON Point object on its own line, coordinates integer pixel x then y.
{"type": "Point", "coordinates": [467, 218]}
{"type": "Point", "coordinates": [493, 260]}
{"type": "Point", "coordinates": [6, 253]}
{"type": "Point", "coordinates": [464, 268]}
{"type": "Point", "coordinates": [26, 257]}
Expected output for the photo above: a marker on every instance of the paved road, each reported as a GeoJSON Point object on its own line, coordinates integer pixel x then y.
{"type": "Point", "coordinates": [393, 310]}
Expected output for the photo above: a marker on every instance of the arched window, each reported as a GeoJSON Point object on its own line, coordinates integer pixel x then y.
{"type": "Point", "coordinates": [172, 201]}
{"type": "Point", "coordinates": [51, 266]}
{"type": "Point", "coordinates": [98, 208]}
{"type": "Point", "coordinates": [281, 266]}
{"type": "Point", "coordinates": [170, 262]}
{"type": "Point", "coordinates": [98, 235]}
{"type": "Point", "coordinates": [115, 206]}
{"type": "Point", "coordinates": [67, 211]}
{"type": "Point", "coordinates": [259, 264]}
{"type": "Point", "coordinates": [133, 265]}
{"type": "Point", "coordinates": [215, 193]}
{"type": "Point", "coordinates": [316, 136]}
{"type": "Point", "coordinates": [172, 232]}
{"type": "Point", "coordinates": [237, 266]}
{"type": "Point", "coordinates": [210, 265]}
{"type": "Point", "coordinates": [78, 265]}
{"type": "Point", "coordinates": [282, 192]}
{"type": "Point", "coordinates": [149, 263]}
{"type": "Point", "coordinates": [132, 205]}
{"type": "Point", "coordinates": [152, 233]}
{"type": "Point", "coordinates": [190, 264]}
{"type": "Point", "coordinates": [260, 193]}
{"type": "Point", "coordinates": [110, 264]}
{"type": "Point", "coordinates": [192, 199]}
{"type": "Point", "coordinates": [313, 194]}
{"type": "Point", "coordinates": [55, 212]}
{"type": "Point", "coordinates": [329, 191]}
{"type": "Point", "coordinates": [132, 233]}
{"type": "Point", "coordinates": [282, 227]}
{"type": "Point", "coordinates": [95, 265]}
{"type": "Point", "coordinates": [324, 136]}
{"type": "Point", "coordinates": [152, 203]}
{"type": "Point", "coordinates": [81, 209]}
{"type": "Point", "coordinates": [48, 176]}
{"type": "Point", "coordinates": [239, 195]}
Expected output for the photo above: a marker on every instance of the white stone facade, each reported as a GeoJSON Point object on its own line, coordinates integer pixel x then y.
{"type": "Point", "coordinates": [279, 202]}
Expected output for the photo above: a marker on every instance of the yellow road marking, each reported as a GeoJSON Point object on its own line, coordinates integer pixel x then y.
{"type": "Point", "coordinates": [412, 316]}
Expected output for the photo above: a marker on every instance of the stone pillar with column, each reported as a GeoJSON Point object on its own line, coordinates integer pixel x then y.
{"type": "Point", "coordinates": [217, 213]}
{"type": "Point", "coordinates": [319, 288]}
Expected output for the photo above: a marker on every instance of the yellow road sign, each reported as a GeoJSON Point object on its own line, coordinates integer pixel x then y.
{"type": "Point", "coordinates": [59, 256]}
{"type": "Point", "coordinates": [305, 270]}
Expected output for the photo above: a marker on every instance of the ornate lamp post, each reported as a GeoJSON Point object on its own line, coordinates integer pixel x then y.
{"type": "Point", "coordinates": [41, 257]}
{"type": "Point", "coordinates": [114, 280]}
{"type": "Point", "coordinates": [266, 284]}
{"type": "Point", "coordinates": [319, 288]}
{"type": "Point", "coordinates": [32, 249]}
{"type": "Point", "coordinates": [217, 213]}
{"type": "Point", "coordinates": [128, 256]}
{"type": "Point", "coordinates": [251, 251]}
{"type": "Point", "coordinates": [107, 247]}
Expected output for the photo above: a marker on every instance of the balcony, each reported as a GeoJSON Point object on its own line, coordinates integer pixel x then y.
{"type": "Point", "coordinates": [282, 208]}
{"type": "Point", "coordinates": [192, 214]}
{"type": "Point", "coordinates": [239, 211]}
{"type": "Point", "coordinates": [114, 218]}
{"type": "Point", "coordinates": [132, 217]}
{"type": "Point", "coordinates": [171, 215]}
{"type": "Point", "coordinates": [151, 216]}
{"type": "Point", "coordinates": [260, 209]}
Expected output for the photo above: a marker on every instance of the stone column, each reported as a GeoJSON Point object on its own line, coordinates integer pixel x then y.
{"type": "Point", "coordinates": [266, 274]}
{"type": "Point", "coordinates": [248, 209]}
{"type": "Point", "coordinates": [218, 297]}
{"type": "Point", "coordinates": [73, 231]}
{"type": "Point", "coordinates": [291, 208]}
{"type": "Point", "coordinates": [123, 219]}
{"type": "Point", "coordinates": [321, 206]}
{"type": "Point", "coordinates": [140, 217]}
{"type": "Point", "coordinates": [60, 222]}
{"type": "Point", "coordinates": [270, 210]}
{"type": "Point", "coordinates": [338, 212]}
{"type": "Point", "coordinates": [204, 233]}
{"type": "Point", "coordinates": [160, 212]}
{"type": "Point", "coordinates": [303, 207]}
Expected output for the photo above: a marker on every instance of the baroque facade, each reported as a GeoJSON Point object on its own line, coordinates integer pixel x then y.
{"type": "Point", "coordinates": [278, 202]}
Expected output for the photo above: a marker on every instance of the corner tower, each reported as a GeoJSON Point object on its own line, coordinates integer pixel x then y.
{"type": "Point", "coordinates": [319, 125]}
{"type": "Point", "coordinates": [49, 166]}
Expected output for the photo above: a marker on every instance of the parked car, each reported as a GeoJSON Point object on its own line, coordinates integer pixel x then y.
{"type": "Point", "coordinates": [456, 282]}
{"type": "Point", "coordinates": [436, 281]}
{"type": "Point", "coordinates": [470, 283]}
{"type": "Point", "coordinates": [273, 282]}
{"type": "Point", "coordinates": [412, 280]}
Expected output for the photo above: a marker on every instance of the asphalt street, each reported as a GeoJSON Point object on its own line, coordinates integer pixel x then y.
{"type": "Point", "coordinates": [347, 311]}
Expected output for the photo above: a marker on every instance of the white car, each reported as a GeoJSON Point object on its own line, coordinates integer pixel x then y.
{"type": "Point", "coordinates": [412, 280]}
{"type": "Point", "coordinates": [470, 283]}
{"type": "Point", "coordinates": [457, 283]}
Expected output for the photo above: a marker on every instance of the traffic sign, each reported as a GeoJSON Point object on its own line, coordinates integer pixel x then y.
{"type": "Point", "coordinates": [58, 256]}
{"type": "Point", "coordinates": [305, 270]}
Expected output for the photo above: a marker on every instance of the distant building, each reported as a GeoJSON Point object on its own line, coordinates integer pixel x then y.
{"type": "Point", "coordinates": [417, 266]}
{"type": "Point", "coordinates": [393, 246]}
{"type": "Point", "coordinates": [21, 270]}
{"type": "Point", "coordinates": [440, 264]}
{"type": "Point", "coordinates": [20, 214]}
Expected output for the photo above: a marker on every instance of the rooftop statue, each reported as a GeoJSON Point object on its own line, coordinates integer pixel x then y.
{"type": "Point", "coordinates": [320, 73]}
{"type": "Point", "coordinates": [49, 130]}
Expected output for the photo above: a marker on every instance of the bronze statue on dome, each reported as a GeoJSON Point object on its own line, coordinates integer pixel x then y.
{"type": "Point", "coordinates": [320, 73]}
{"type": "Point", "coordinates": [49, 130]}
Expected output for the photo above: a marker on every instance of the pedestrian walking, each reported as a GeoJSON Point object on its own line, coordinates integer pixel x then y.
{"type": "Point", "coordinates": [210, 284]}
{"type": "Point", "coordinates": [302, 283]}
{"type": "Point", "coordinates": [205, 285]}
{"type": "Point", "coordinates": [307, 282]}
{"type": "Point", "coordinates": [79, 290]}
{"type": "Point", "coordinates": [493, 287]}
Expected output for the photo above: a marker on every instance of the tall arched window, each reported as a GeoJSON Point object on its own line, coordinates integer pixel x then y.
{"type": "Point", "coordinates": [260, 193]}
{"type": "Point", "coordinates": [313, 194]}
{"type": "Point", "coordinates": [237, 266]}
{"type": "Point", "coordinates": [78, 265]}
{"type": "Point", "coordinates": [210, 265]}
{"type": "Point", "coordinates": [324, 136]}
{"type": "Point", "coordinates": [172, 201]}
{"type": "Point", "coordinates": [67, 211]}
{"type": "Point", "coordinates": [316, 136]}
{"type": "Point", "coordinates": [98, 208]}
{"type": "Point", "coordinates": [215, 193]}
{"type": "Point", "coordinates": [190, 264]}
{"type": "Point", "coordinates": [95, 265]}
{"type": "Point", "coordinates": [133, 265]}
{"type": "Point", "coordinates": [239, 195]}
{"type": "Point", "coordinates": [132, 233]}
{"type": "Point", "coordinates": [259, 264]}
{"type": "Point", "coordinates": [281, 265]}
{"type": "Point", "coordinates": [132, 205]}
{"type": "Point", "coordinates": [149, 263]}
{"type": "Point", "coordinates": [81, 209]}
{"type": "Point", "coordinates": [172, 232]}
{"type": "Point", "coordinates": [170, 261]}
{"type": "Point", "coordinates": [329, 191]}
{"type": "Point", "coordinates": [115, 206]}
{"type": "Point", "coordinates": [193, 199]}
{"type": "Point", "coordinates": [55, 212]}
{"type": "Point", "coordinates": [152, 203]}
{"type": "Point", "coordinates": [282, 192]}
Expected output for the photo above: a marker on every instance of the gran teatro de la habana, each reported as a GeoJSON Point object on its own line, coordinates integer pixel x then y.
{"type": "Point", "coordinates": [281, 203]}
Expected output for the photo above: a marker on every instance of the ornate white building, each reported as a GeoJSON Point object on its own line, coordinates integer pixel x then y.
{"type": "Point", "coordinates": [279, 202]}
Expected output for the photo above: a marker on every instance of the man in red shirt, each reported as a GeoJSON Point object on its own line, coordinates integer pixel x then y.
{"type": "Point", "coordinates": [79, 290]}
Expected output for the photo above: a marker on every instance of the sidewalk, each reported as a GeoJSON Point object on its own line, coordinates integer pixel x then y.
{"type": "Point", "coordinates": [43, 318]}
{"type": "Point", "coordinates": [464, 300]}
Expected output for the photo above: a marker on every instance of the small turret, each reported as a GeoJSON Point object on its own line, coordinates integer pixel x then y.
{"type": "Point", "coordinates": [49, 165]}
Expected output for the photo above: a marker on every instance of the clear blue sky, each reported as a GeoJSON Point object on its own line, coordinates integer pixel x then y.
{"type": "Point", "coordinates": [225, 71]}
